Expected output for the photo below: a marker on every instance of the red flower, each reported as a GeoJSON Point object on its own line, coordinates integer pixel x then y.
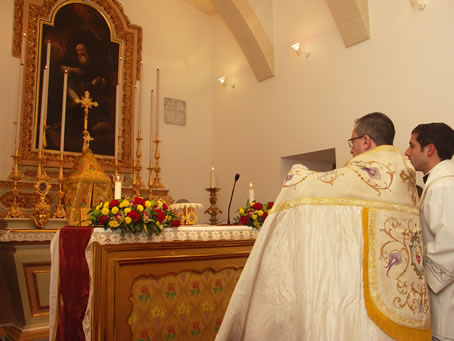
{"type": "Point", "coordinates": [144, 333]}
{"type": "Point", "coordinates": [114, 203]}
{"type": "Point", "coordinates": [195, 285]}
{"type": "Point", "coordinates": [244, 220]}
{"type": "Point", "coordinates": [218, 283]}
{"type": "Point", "coordinates": [144, 290]}
{"type": "Point", "coordinates": [270, 205]}
{"type": "Point", "coordinates": [196, 326]}
{"type": "Point", "coordinates": [257, 206]}
{"type": "Point", "coordinates": [176, 222]}
{"type": "Point", "coordinates": [171, 287]}
{"type": "Point", "coordinates": [134, 215]}
{"type": "Point", "coordinates": [264, 215]}
{"type": "Point", "coordinates": [160, 215]}
{"type": "Point", "coordinates": [103, 219]}
{"type": "Point", "coordinates": [218, 322]}
{"type": "Point", "coordinates": [171, 329]}
{"type": "Point", "coordinates": [139, 201]}
{"type": "Point", "coordinates": [164, 206]}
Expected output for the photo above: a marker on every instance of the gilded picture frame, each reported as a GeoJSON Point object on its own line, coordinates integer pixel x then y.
{"type": "Point", "coordinates": [33, 18]}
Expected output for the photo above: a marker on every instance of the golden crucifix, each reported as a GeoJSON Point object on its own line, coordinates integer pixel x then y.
{"type": "Point", "coordinates": [86, 103]}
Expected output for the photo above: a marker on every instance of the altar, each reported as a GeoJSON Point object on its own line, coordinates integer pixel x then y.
{"type": "Point", "coordinates": [173, 285]}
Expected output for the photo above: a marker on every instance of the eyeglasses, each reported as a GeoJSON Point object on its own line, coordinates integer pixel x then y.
{"type": "Point", "coordinates": [350, 141]}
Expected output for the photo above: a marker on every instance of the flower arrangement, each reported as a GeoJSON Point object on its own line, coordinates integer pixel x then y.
{"type": "Point", "coordinates": [255, 213]}
{"type": "Point", "coordinates": [133, 215]}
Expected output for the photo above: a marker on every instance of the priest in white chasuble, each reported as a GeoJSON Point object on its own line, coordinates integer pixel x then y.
{"type": "Point", "coordinates": [340, 257]}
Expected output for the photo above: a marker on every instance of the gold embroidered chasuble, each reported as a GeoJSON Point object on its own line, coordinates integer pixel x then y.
{"type": "Point", "coordinates": [344, 248]}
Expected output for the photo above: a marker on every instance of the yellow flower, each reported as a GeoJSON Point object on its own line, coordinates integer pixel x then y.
{"type": "Point", "coordinates": [124, 203]}
{"type": "Point", "coordinates": [254, 216]}
{"type": "Point", "coordinates": [168, 218]}
{"type": "Point", "coordinates": [241, 210]}
{"type": "Point", "coordinates": [106, 205]}
{"type": "Point", "coordinates": [156, 312]}
{"type": "Point", "coordinates": [127, 210]}
{"type": "Point", "coordinates": [115, 210]}
{"type": "Point", "coordinates": [99, 206]}
{"type": "Point", "coordinates": [260, 213]}
{"type": "Point", "coordinates": [128, 220]}
{"type": "Point", "coordinates": [183, 309]}
{"type": "Point", "coordinates": [148, 203]}
{"type": "Point", "coordinates": [113, 224]}
{"type": "Point", "coordinates": [105, 211]}
{"type": "Point", "coordinates": [256, 224]}
{"type": "Point", "coordinates": [140, 208]}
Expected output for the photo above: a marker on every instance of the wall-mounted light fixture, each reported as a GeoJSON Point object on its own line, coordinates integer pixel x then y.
{"type": "Point", "coordinates": [299, 50]}
{"type": "Point", "coordinates": [418, 5]}
{"type": "Point", "coordinates": [224, 83]}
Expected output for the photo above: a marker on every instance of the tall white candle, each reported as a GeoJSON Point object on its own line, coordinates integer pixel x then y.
{"type": "Point", "coordinates": [63, 112]}
{"type": "Point", "coordinates": [212, 178]}
{"type": "Point", "coordinates": [21, 90]}
{"type": "Point", "coordinates": [151, 125]}
{"type": "Point", "coordinates": [43, 106]}
{"type": "Point", "coordinates": [22, 50]}
{"type": "Point", "coordinates": [48, 55]}
{"type": "Point", "coordinates": [251, 192]}
{"type": "Point", "coordinates": [157, 102]}
{"type": "Point", "coordinates": [118, 106]}
{"type": "Point", "coordinates": [139, 115]}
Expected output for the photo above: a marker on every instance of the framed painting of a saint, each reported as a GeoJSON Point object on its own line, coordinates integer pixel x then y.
{"type": "Point", "coordinates": [81, 44]}
{"type": "Point", "coordinates": [94, 43]}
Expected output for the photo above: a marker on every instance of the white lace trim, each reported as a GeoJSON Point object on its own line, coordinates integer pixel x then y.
{"type": "Point", "coordinates": [182, 233]}
{"type": "Point", "coordinates": [16, 236]}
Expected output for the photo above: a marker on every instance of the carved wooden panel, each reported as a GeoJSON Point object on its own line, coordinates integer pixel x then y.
{"type": "Point", "coordinates": [119, 268]}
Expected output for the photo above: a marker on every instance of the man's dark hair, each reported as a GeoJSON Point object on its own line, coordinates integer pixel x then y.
{"type": "Point", "coordinates": [440, 135]}
{"type": "Point", "coordinates": [377, 126]}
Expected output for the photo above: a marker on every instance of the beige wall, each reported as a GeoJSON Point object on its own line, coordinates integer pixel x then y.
{"type": "Point", "coordinates": [405, 70]}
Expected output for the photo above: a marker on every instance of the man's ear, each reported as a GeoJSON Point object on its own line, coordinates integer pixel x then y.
{"type": "Point", "coordinates": [430, 149]}
{"type": "Point", "coordinates": [368, 143]}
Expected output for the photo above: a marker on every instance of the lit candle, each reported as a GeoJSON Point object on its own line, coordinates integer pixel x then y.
{"type": "Point", "coordinates": [63, 112]}
{"type": "Point", "coordinates": [212, 178]}
{"type": "Point", "coordinates": [157, 103]}
{"type": "Point", "coordinates": [251, 192]}
{"type": "Point", "coordinates": [117, 190]}
{"type": "Point", "coordinates": [151, 125]}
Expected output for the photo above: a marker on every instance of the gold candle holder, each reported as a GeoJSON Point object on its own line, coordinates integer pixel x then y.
{"type": "Point", "coordinates": [150, 179]}
{"type": "Point", "coordinates": [60, 210]}
{"type": "Point", "coordinates": [15, 175]}
{"type": "Point", "coordinates": [41, 210]}
{"type": "Point", "coordinates": [213, 211]}
{"type": "Point", "coordinates": [137, 185]}
{"type": "Point", "coordinates": [157, 184]}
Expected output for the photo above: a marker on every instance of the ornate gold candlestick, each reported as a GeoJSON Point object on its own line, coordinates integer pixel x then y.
{"type": "Point", "coordinates": [157, 180]}
{"type": "Point", "coordinates": [213, 210]}
{"type": "Point", "coordinates": [15, 175]}
{"type": "Point", "coordinates": [41, 210]}
{"type": "Point", "coordinates": [137, 185]}
{"type": "Point", "coordinates": [60, 210]}
{"type": "Point", "coordinates": [150, 179]}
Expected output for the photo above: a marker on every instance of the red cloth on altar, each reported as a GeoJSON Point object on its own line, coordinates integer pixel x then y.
{"type": "Point", "coordinates": [74, 282]}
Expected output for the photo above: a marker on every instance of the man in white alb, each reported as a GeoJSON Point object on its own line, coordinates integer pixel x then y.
{"type": "Point", "coordinates": [430, 151]}
{"type": "Point", "coordinates": [340, 255]}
